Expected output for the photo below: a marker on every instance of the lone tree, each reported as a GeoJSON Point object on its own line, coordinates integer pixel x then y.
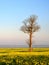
{"type": "Point", "coordinates": [30, 26]}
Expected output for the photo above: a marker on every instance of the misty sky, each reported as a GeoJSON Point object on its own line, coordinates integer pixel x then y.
{"type": "Point", "coordinates": [13, 12]}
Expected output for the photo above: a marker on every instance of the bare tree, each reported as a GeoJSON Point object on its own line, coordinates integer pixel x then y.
{"type": "Point", "coordinates": [30, 26]}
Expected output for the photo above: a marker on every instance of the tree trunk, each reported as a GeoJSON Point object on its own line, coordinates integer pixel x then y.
{"type": "Point", "coordinates": [30, 45]}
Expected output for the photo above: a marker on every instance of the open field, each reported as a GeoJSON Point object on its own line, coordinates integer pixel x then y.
{"type": "Point", "coordinates": [24, 51]}
{"type": "Point", "coordinates": [21, 56]}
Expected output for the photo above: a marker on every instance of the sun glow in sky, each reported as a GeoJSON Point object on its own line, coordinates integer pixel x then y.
{"type": "Point", "coordinates": [13, 12]}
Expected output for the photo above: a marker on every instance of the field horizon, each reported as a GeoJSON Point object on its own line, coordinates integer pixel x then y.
{"type": "Point", "coordinates": [23, 46]}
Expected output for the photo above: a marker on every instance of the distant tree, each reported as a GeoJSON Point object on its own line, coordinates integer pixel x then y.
{"type": "Point", "coordinates": [30, 26]}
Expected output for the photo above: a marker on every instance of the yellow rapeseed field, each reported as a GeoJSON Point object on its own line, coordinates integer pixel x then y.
{"type": "Point", "coordinates": [23, 51]}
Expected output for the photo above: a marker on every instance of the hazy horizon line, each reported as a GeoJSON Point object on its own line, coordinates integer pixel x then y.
{"type": "Point", "coordinates": [23, 46]}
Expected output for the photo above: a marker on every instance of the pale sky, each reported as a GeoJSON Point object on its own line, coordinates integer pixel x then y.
{"type": "Point", "coordinates": [13, 12]}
